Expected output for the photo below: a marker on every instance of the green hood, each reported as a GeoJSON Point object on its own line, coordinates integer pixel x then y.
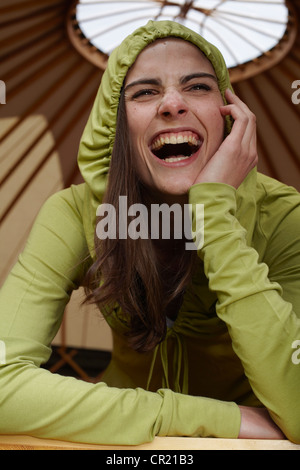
{"type": "Point", "coordinates": [98, 138]}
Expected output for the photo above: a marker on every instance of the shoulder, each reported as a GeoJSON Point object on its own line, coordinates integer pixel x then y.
{"type": "Point", "coordinates": [272, 191]}
{"type": "Point", "coordinates": [279, 223]}
{"type": "Point", "coordinates": [276, 191]}
{"type": "Point", "coordinates": [70, 199]}
{"type": "Point", "coordinates": [61, 217]}
{"type": "Point", "coordinates": [63, 209]}
{"type": "Point", "coordinates": [278, 203]}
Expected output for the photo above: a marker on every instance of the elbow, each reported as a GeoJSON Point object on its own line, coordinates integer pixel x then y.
{"type": "Point", "coordinates": [293, 433]}
{"type": "Point", "coordinates": [290, 426]}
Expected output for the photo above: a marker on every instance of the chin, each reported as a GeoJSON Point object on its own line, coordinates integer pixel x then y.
{"type": "Point", "coordinates": [181, 188]}
{"type": "Point", "coordinates": [176, 192]}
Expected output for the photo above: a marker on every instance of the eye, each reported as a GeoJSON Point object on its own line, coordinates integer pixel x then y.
{"type": "Point", "coordinates": [143, 94]}
{"type": "Point", "coordinates": [199, 87]}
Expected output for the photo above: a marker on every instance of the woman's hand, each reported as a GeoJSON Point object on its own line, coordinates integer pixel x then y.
{"type": "Point", "coordinates": [237, 154]}
{"type": "Point", "coordinates": [256, 423]}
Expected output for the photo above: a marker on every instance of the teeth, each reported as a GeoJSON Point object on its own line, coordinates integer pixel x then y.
{"type": "Point", "coordinates": [177, 159]}
{"type": "Point", "coordinates": [174, 139]}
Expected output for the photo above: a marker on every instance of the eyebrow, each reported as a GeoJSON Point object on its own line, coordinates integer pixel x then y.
{"type": "Point", "coordinates": [143, 81]}
{"type": "Point", "coordinates": [185, 79]}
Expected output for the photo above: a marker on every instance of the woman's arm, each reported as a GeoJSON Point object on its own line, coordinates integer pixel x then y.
{"type": "Point", "coordinates": [260, 307]}
{"type": "Point", "coordinates": [36, 402]}
{"type": "Point", "coordinates": [260, 303]}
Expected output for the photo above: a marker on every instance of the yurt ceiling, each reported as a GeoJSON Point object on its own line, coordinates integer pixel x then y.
{"type": "Point", "coordinates": [47, 89]}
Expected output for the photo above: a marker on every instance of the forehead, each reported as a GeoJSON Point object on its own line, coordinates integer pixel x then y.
{"type": "Point", "coordinates": [169, 55]}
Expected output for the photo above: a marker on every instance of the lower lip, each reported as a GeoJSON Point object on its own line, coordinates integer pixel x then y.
{"type": "Point", "coordinates": [180, 163]}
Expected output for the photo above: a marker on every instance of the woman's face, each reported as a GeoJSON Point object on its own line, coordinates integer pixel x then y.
{"type": "Point", "coordinates": [173, 111]}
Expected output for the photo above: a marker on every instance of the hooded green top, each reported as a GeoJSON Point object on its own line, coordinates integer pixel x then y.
{"type": "Point", "coordinates": [236, 339]}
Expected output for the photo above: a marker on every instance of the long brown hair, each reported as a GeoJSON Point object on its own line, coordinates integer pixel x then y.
{"type": "Point", "coordinates": [127, 272]}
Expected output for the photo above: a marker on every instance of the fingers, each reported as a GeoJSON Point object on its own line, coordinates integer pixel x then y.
{"type": "Point", "coordinates": [243, 135]}
{"type": "Point", "coordinates": [244, 119]}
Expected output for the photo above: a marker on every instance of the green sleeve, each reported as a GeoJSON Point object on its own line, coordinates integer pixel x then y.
{"type": "Point", "coordinates": [34, 401]}
{"type": "Point", "coordinates": [259, 302]}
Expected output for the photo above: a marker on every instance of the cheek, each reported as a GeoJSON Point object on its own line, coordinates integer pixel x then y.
{"type": "Point", "coordinates": [208, 112]}
{"type": "Point", "coordinates": [137, 125]}
{"type": "Point", "coordinates": [139, 116]}
{"type": "Point", "coordinates": [216, 124]}
{"type": "Point", "coordinates": [131, 119]}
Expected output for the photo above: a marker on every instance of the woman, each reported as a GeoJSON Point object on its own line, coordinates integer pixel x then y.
{"type": "Point", "coordinates": [204, 339]}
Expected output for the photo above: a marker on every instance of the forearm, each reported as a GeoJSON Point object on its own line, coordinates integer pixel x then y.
{"type": "Point", "coordinates": [256, 423]}
{"type": "Point", "coordinates": [38, 403]}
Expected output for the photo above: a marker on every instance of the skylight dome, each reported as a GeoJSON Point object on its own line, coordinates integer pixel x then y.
{"type": "Point", "coordinates": [244, 30]}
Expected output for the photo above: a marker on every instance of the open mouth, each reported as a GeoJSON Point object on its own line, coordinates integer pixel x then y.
{"type": "Point", "coordinates": [173, 147]}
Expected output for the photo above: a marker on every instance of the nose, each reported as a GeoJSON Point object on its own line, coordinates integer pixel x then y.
{"type": "Point", "coordinates": [172, 104]}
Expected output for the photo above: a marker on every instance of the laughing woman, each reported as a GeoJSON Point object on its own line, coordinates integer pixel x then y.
{"type": "Point", "coordinates": [205, 340]}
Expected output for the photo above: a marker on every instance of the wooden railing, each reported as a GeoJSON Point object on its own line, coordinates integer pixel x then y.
{"type": "Point", "coordinates": [160, 443]}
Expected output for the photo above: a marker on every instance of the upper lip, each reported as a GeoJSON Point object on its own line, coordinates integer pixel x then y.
{"type": "Point", "coordinates": [175, 131]}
